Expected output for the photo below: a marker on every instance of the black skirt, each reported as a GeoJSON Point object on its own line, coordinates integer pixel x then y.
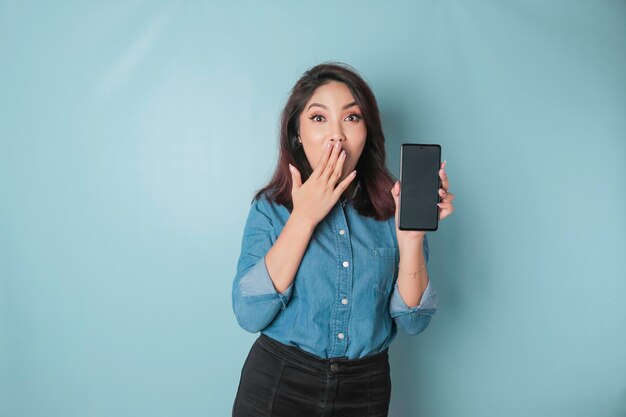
{"type": "Point", "coordinates": [279, 380]}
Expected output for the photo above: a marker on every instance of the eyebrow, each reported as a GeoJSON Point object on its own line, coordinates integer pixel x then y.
{"type": "Point", "coordinates": [347, 106]}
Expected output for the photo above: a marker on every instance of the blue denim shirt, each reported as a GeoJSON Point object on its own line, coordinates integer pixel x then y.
{"type": "Point", "coordinates": [344, 300]}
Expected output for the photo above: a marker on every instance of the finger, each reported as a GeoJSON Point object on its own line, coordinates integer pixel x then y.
{"type": "Point", "coordinates": [446, 206]}
{"type": "Point", "coordinates": [444, 212]}
{"type": "Point", "coordinates": [296, 179]}
{"type": "Point", "coordinates": [395, 190]}
{"type": "Point", "coordinates": [338, 167]}
{"type": "Point", "coordinates": [332, 161]}
{"type": "Point", "coordinates": [344, 184]}
{"type": "Point", "coordinates": [321, 164]}
{"type": "Point", "coordinates": [444, 178]}
{"type": "Point", "coordinates": [446, 196]}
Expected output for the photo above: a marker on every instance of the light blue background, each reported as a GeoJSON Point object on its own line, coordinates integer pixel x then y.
{"type": "Point", "coordinates": [133, 135]}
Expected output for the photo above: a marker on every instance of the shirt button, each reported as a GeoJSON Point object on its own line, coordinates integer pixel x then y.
{"type": "Point", "coordinates": [345, 263]}
{"type": "Point", "coordinates": [342, 232]}
{"type": "Point", "coordinates": [340, 336]}
{"type": "Point", "coordinates": [344, 301]}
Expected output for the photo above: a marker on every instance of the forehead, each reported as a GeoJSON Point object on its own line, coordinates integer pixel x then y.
{"type": "Point", "coordinates": [333, 92]}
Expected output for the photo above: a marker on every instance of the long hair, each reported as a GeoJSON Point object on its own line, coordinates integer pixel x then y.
{"type": "Point", "coordinates": [373, 198]}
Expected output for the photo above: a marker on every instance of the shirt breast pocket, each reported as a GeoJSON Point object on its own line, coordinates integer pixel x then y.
{"type": "Point", "coordinates": [383, 268]}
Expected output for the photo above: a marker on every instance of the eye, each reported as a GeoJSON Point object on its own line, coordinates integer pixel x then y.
{"type": "Point", "coordinates": [315, 117]}
{"type": "Point", "coordinates": [355, 117]}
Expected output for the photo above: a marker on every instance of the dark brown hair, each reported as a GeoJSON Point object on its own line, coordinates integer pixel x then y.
{"type": "Point", "coordinates": [373, 198]}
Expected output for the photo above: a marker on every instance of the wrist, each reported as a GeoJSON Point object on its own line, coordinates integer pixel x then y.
{"type": "Point", "coordinates": [411, 244]}
{"type": "Point", "coordinates": [302, 223]}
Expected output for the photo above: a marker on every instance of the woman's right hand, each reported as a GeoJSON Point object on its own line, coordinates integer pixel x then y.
{"type": "Point", "coordinates": [314, 199]}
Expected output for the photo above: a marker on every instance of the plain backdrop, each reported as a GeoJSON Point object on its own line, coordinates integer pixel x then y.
{"type": "Point", "coordinates": [133, 135]}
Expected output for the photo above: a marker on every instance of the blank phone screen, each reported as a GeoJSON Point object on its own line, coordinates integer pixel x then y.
{"type": "Point", "coordinates": [419, 181]}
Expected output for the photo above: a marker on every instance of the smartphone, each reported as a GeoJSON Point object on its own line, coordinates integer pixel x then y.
{"type": "Point", "coordinates": [419, 186]}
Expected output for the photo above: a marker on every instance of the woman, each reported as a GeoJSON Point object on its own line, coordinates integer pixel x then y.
{"type": "Point", "coordinates": [324, 273]}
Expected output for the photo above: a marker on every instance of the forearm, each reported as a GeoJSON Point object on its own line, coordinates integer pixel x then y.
{"type": "Point", "coordinates": [411, 287]}
{"type": "Point", "coordinates": [284, 257]}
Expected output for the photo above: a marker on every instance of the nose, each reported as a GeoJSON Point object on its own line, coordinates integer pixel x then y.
{"type": "Point", "coordinates": [337, 135]}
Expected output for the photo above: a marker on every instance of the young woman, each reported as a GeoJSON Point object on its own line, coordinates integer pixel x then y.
{"type": "Point", "coordinates": [324, 273]}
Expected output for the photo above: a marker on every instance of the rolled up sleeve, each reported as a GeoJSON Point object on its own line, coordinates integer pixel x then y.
{"type": "Point", "coordinates": [255, 300]}
{"type": "Point", "coordinates": [414, 320]}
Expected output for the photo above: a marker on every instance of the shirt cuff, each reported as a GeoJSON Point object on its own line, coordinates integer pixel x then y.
{"type": "Point", "coordinates": [427, 305]}
{"type": "Point", "coordinates": [257, 286]}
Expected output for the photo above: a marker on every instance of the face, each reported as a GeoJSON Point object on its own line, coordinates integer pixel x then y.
{"type": "Point", "coordinates": [332, 115]}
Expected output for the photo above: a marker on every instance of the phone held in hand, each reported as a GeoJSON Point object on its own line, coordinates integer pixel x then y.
{"type": "Point", "coordinates": [419, 186]}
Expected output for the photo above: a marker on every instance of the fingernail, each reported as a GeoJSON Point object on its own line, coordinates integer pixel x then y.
{"type": "Point", "coordinates": [328, 145]}
{"type": "Point", "coordinates": [290, 167]}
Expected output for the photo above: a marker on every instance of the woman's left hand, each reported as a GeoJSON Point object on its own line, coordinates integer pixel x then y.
{"type": "Point", "coordinates": [445, 207]}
